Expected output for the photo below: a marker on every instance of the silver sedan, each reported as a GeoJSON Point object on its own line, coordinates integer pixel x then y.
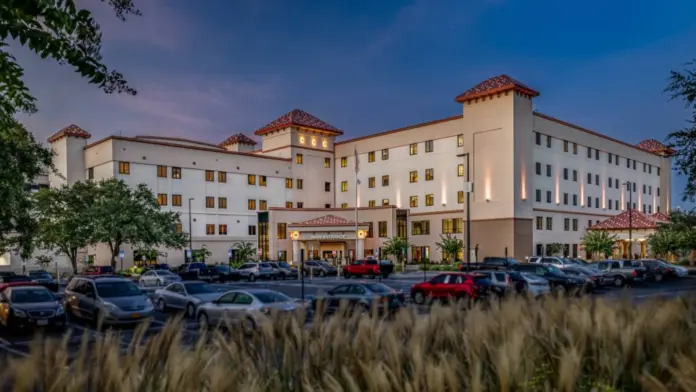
{"type": "Point", "coordinates": [158, 278]}
{"type": "Point", "coordinates": [243, 308]}
{"type": "Point", "coordinates": [188, 296]}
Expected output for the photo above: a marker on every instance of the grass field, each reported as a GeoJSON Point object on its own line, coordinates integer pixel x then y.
{"type": "Point", "coordinates": [557, 345]}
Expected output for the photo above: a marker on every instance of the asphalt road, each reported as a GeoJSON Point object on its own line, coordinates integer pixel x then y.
{"type": "Point", "coordinates": [12, 344]}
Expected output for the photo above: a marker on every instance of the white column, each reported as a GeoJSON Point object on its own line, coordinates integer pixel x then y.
{"type": "Point", "coordinates": [296, 252]}
{"type": "Point", "coordinates": [360, 251]}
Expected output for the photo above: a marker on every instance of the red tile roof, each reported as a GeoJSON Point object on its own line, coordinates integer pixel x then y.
{"type": "Point", "coordinates": [660, 217]}
{"type": "Point", "coordinates": [494, 85]}
{"type": "Point", "coordinates": [239, 138]}
{"type": "Point", "coordinates": [72, 131]}
{"type": "Point", "coordinates": [654, 146]}
{"type": "Point", "coordinates": [639, 220]}
{"type": "Point", "coordinates": [326, 220]}
{"type": "Point", "coordinates": [297, 118]}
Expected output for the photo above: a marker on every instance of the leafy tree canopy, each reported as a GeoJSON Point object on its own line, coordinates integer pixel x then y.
{"type": "Point", "coordinates": [599, 242]}
{"type": "Point", "coordinates": [243, 251]}
{"type": "Point", "coordinates": [449, 245]}
{"type": "Point", "coordinates": [682, 86]}
{"type": "Point", "coordinates": [394, 246]}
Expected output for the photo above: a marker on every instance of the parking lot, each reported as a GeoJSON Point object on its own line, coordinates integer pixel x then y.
{"type": "Point", "coordinates": [14, 344]}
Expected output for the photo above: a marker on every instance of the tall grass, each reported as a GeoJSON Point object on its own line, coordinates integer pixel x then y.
{"type": "Point", "coordinates": [554, 345]}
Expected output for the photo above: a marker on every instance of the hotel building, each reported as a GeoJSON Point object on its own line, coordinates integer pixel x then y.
{"type": "Point", "coordinates": [536, 180]}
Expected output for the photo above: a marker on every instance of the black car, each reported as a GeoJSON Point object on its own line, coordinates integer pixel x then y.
{"type": "Point", "coordinates": [560, 282]}
{"type": "Point", "coordinates": [29, 305]}
{"type": "Point", "coordinates": [655, 270]}
{"type": "Point", "coordinates": [45, 279]}
{"type": "Point", "coordinates": [227, 274]}
{"type": "Point", "coordinates": [359, 297]}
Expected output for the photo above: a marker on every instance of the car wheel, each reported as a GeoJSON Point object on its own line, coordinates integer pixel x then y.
{"type": "Point", "coordinates": [419, 298]}
{"type": "Point", "coordinates": [203, 323]}
{"type": "Point", "coordinates": [161, 306]}
{"type": "Point", "coordinates": [191, 310]}
{"type": "Point", "coordinates": [322, 273]}
{"type": "Point", "coordinates": [619, 281]}
{"type": "Point", "coordinates": [659, 277]}
{"type": "Point", "coordinates": [252, 277]}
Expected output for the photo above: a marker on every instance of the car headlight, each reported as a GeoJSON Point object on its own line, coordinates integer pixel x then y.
{"type": "Point", "coordinates": [19, 313]}
{"type": "Point", "coordinates": [60, 310]}
{"type": "Point", "coordinates": [148, 302]}
{"type": "Point", "coordinates": [111, 307]}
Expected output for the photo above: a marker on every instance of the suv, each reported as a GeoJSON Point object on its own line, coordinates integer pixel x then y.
{"type": "Point", "coordinates": [284, 270]}
{"type": "Point", "coordinates": [114, 300]}
{"type": "Point", "coordinates": [558, 262]}
{"type": "Point", "coordinates": [252, 271]}
{"type": "Point", "coordinates": [319, 268]}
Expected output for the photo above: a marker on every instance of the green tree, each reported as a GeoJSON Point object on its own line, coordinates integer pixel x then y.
{"type": "Point", "coordinates": [599, 242]}
{"type": "Point", "coordinates": [44, 261]}
{"type": "Point", "coordinates": [450, 246]}
{"type": "Point", "coordinates": [554, 249]}
{"type": "Point", "coordinates": [131, 216]}
{"type": "Point", "coordinates": [53, 29]}
{"type": "Point", "coordinates": [199, 255]}
{"type": "Point", "coordinates": [396, 247]}
{"type": "Point", "coordinates": [665, 242]}
{"type": "Point", "coordinates": [683, 223]}
{"type": "Point", "coordinates": [243, 251]}
{"type": "Point", "coordinates": [682, 86]}
{"type": "Point", "coordinates": [65, 219]}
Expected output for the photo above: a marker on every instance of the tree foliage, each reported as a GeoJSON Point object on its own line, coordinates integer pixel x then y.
{"type": "Point", "coordinates": [682, 86]}
{"type": "Point", "coordinates": [665, 242]}
{"type": "Point", "coordinates": [243, 251]}
{"type": "Point", "coordinates": [396, 247]}
{"type": "Point", "coordinates": [676, 236]}
{"type": "Point", "coordinates": [450, 246]}
{"type": "Point", "coordinates": [599, 242]}
{"type": "Point", "coordinates": [554, 249]}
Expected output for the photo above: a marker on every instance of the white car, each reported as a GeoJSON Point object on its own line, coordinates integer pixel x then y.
{"type": "Point", "coordinates": [158, 278]}
{"type": "Point", "coordinates": [558, 262]}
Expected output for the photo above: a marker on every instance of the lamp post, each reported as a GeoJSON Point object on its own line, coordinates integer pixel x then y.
{"type": "Point", "coordinates": [190, 226]}
{"type": "Point", "coordinates": [630, 219]}
{"type": "Point", "coordinates": [467, 189]}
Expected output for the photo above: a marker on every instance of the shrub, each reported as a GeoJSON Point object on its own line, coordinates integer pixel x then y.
{"type": "Point", "coordinates": [552, 345]}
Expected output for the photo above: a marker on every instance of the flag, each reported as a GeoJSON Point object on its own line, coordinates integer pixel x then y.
{"type": "Point", "coordinates": [357, 161]}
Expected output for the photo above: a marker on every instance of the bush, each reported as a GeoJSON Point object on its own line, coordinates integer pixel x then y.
{"type": "Point", "coordinates": [562, 345]}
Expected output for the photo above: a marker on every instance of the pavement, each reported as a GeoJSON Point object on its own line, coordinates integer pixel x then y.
{"type": "Point", "coordinates": [12, 344]}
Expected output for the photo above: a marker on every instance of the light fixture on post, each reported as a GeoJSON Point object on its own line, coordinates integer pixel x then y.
{"type": "Point", "coordinates": [630, 219]}
{"type": "Point", "coordinates": [468, 188]}
{"type": "Point", "coordinates": [190, 226]}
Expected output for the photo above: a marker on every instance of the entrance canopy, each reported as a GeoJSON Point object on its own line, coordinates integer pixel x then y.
{"type": "Point", "coordinates": [328, 234]}
{"type": "Point", "coordinates": [639, 224]}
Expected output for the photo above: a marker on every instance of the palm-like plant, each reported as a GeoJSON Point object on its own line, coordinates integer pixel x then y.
{"type": "Point", "coordinates": [450, 246]}
{"type": "Point", "coordinates": [243, 250]}
{"type": "Point", "coordinates": [395, 246]}
{"type": "Point", "coordinates": [201, 254]}
{"type": "Point", "coordinates": [599, 242]}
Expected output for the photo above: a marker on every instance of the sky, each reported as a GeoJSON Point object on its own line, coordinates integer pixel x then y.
{"type": "Point", "coordinates": [207, 69]}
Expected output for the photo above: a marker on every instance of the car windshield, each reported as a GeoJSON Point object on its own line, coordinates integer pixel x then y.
{"type": "Point", "coordinates": [40, 275]}
{"type": "Point", "coordinates": [200, 288]}
{"type": "Point", "coordinates": [164, 272]}
{"type": "Point", "coordinates": [378, 288]}
{"type": "Point", "coordinates": [223, 268]}
{"type": "Point", "coordinates": [264, 265]}
{"type": "Point", "coordinates": [271, 297]}
{"type": "Point", "coordinates": [284, 265]}
{"type": "Point", "coordinates": [117, 289]}
{"type": "Point", "coordinates": [510, 260]}
{"type": "Point", "coordinates": [31, 295]}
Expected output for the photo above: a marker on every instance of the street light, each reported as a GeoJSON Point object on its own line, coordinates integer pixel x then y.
{"type": "Point", "coordinates": [467, 189]}
{"type": "Point", "coordinates": [190, 226]}
{"type": "Point", "coordinates": [630, 219]}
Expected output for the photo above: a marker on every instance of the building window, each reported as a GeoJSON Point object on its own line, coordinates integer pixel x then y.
{"type": "Point", "coordinates": [222, 176]}
{"type": "Point", "coordinates": [162, 199]}
{"type": "Point", "coordinates": [371, 203]}
{"type": "Point", "coordinates": [460, 140]}
{"type": "Point", "coordinates": [124, 168]}
{"type": "Point", "coordinates": [262, 181]}
{"type": "Point", "coordinates": [537, 137]}
{"type": "Point", "coordinates": [299, 159]}
{"type": "Point", "coordinates": [288, 183]}
{"type": "Point", "coordinates": [222, 202]}
{"type": "Point", "coordinates": [370, 231]}
{"type": "Point", "coordinates": [344, 186]}
{"type": "Point", "coordinates": [161, 171]}
{"type": "Point", "coordinates": [420, 227]}
{"type": "Point", "coordinates": [460, 170]}
{"type": "Point", "coordinates": [596, 154]}
{"type": "Point", "coordinates": [548, 141]}
{"type": "Point", "coordinates": [565, 199]}
{"type": "Point", "coordinates": [575, 200]}
{"type": "Point", "coordinates": [288, 204]}
{"type": "Point", "coordinates": [251, 204]}
{"type": "Point", "coordinates": [429, 146]}
{"type": "Point", "coordinates": [179, 228]}
{"type": "Point", "coordinates": [209, 202]}
{"type": "Point", "coordinates": [566, 224]}
{"type": "Point", "coordinates": [596, 179]}
{"type": "Point", "coordinates": [609, 204]}
{"type": "Point", "coordinates": [538, 168]}
{"type": "Point", "coordinates": [251, 179]}
{"type": "Point", "coordinates": [371, 182]}
{"type": "Point", "coordinates": [658, 191]}
{"type": "Point", "coordinates": [300, 183]}
{"type": "Point", "coordinates": [589, 202]}
{"type": "Point", "coordinates": [300, 204]}
{"type": "Point", "coordinates": [549, 223]}
{"type": "Point", "coordinates": [539, 223]}
{"type": "Point", "coordinates": [460, 197]}
{"type": "Point", "coordinates": [616, 183]}
{"type": "Point", "coordinates": [575, 175]}
{"type": "Point", "coordinates": [371, 156]}
{"type": "Point", "coordinates": [413, 149]}
{"type": "Point", "coordinates": [589, 178]}
{"type": "Point", "coordinates": [565, 146]}
{"type": "Point", "coordinates": [628, 163]}
{"type": "Point", "coordinates": [263, 205]}
{"type": "Point", "coordinates": [385, 202]}
{"type": "Point", "coordinates": [548, 170]}
{"type": "Point", "coordinates": [413, 176]}
{"type": "Point", "coordinates": [210, 229]}
{"type": "Point", "coordinates": [344, 162]}
{"type": "Point", "coordinates": [429, 199]}
{"type": "Point", "coordinates": [327, 205]}
{"type": "Point", "coordinates": [327, 187]}
{"type": "Point", "coordinates": [549, 196]}
{"type": "Point", "coordinates": [222, 229]}
{"type": "Point", "coordinates": [589, 152]}
{"type": "Point", "coordinates": [575, 225]}
{"type": "Point", "coordinates": [538, 195]}
{"type": "Point", "coordinates": [327, 162]}
{"type": "Point", "coordinates": [176, 173]}
{"type": "Point", "coordinates": [252, 230]}
{"type": "Point", "coordinates": [209, 175]}
{"type": "Point", "coordinates": [90, 173]}
{"type": "Point", "coordinates": [429, 174]}
{"type": "Point", "coordinates": [644, 167]}
{"type": "Point", "coordinates": [385, 154]}
{"type": "Point", "coordinates": [176, 200]}
{"type": "Point", "coordinates": [344, 205]}
{"type": "Point", "coordinates": [649, 169]}
{"type": "Point", "coordinates": [609, 157]}
{"type": "Point", "coordinates": [565, 173]}
{"type": "Point", "coordinates": [382, 229]}
{"type": "Point", "coordinates": [575, 148]}
{"type": "Point", "coordinates": [610, 182]}
{"type": "Point", "coordinates": [413, 201]}
{"type": "Point", "coordinates": [385, 180]}
{"type": "Point", "coordinates": [282, 231]}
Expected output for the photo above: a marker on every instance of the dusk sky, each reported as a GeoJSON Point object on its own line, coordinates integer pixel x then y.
{"type": "Point", "coordinates": [206, 69]}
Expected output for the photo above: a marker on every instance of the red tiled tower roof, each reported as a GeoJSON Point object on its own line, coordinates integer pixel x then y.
{"type": "Point", "coordinates": [298, 118]}
{"type": "Point", "coordinates": [71, 130]}
{"type": "Point", "coordinates": [639, 220]}
{"type": "Point", "coordinates": [495, 85]}
{"type": "Point", "coordinates": [654, 146]}
{"type": "Point", "coordinates": [239, 138]}
{"type": "Point", "coordinates": [326, 220]}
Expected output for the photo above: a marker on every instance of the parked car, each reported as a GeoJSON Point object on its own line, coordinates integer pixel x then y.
{"type": "Point", "coordinates": [656, 270]}
{"type": "Point", "coordinates": [226, 273]}
{"type": "Point", "coordinates": [580, 262]}
{"type": "Point", "coordinates": [99, 270]}
{"type": "Point", "coordinates": [559, 282]}
{"type": "Point", "coordinates": [284, 270]}
{"type": "Point", "coordinates": [622, 272]}
{"type": "Point", "coordinates": [160, 266]}
{"type": "Point", "coordinates": [188, 296]}
{"type": "Point", "coordinates": [679, 270]}
{"type": "Point", "coordinates": [456, 286]}
{"type": "Point", "coordinates": [491, 263]}
{"type": "Point", "coordinates": [158, 278]}
{"type": "Point", "coordinates": [13, 278]}
{"type": "Point", "coordinates": [252, 271]}
{"type": "Point", "coordinates": [28, 305]}
{"type": "Point", "coordinates": [197, 271]}
{"type": "Point", "coordinates": [45, 279]}
{"type": "Point", "coordinates": [502, 284]}
{"type": "Point", "coordinates": [319, 268]}
{"type": "Point", "coordinates": [594, 278]}
{"type": "Point", "coordinates": [368, 267]}
{"type": "Point", "coordinates": [558, 262]}
{"type": "Point", "coordinates": [361, 297]}
{"type": "Point", "coordinates": [114, 300]}
{"type": "Point", "coordinates": [243, 308]}
{"type": "Point", "coordinates": [532, 284]}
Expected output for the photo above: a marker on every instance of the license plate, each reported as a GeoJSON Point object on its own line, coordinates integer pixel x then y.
{"type": "Point", "coordinates": [135, 315]}
{"type": "Point", "coordinates": [41, 322]}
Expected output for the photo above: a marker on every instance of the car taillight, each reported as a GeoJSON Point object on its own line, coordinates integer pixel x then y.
{"type": "Point", "coordinates": [635, 273]}
{"type": "Point", "coordinates": [668, 270]}
{"type": "Point", "coordinates": [508, 280]}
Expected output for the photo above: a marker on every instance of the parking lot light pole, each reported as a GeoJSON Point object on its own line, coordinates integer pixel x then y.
{"type": "Point", "coordinates": [630, 219]}
{"type": "Point", "coordinates": [190, 226]}
{"type": "Point", "coordinates": [467, 190]}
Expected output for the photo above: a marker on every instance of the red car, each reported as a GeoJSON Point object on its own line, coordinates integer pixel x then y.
{"type": "Point", "coordinates": [99, 270]}
{"type": "Point", "coordinates": [368, 267]}
{"type": "Point", "coordinates": [451, 285]}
